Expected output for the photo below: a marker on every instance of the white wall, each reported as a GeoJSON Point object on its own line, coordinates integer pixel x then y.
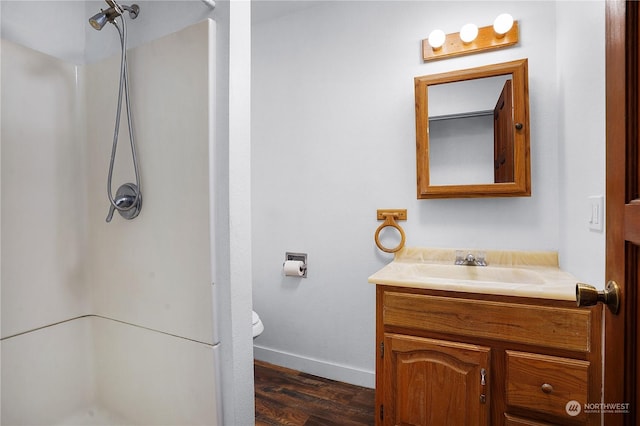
{"type": "Point", "coordinates": [154, 271]}
{"type": "Point", "coordinates": [44, 240]}
{"type": "Point", "coordinates": [581, 101]}
{"type": "Point", "coordinates": [233, 211]}
{"type": "Point", "coordinates": [471, 137]}
{"type": "Point", "coordinates": [333, 140]}
{"type": "Point", "coordinates": [51, 27]}
{"type": "Point", "coordinates": [43, 201]}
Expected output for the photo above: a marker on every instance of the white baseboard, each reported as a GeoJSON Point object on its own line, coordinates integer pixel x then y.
{"type": "Point", "coordinates": [316, 367]}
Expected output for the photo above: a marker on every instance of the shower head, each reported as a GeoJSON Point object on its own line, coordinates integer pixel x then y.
{"type": "Point", "coordinates": [99, 20]}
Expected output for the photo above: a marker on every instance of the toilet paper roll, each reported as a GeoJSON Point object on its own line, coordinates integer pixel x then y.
{"type": "Point", "coordinates": [293, 268]}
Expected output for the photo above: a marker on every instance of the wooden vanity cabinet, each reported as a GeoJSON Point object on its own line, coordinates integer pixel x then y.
{"type": "Point", "coordinates": [446, 358]}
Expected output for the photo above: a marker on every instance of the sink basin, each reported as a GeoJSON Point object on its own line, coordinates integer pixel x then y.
{"type": "Point", "coordinates": [510, 273]}
{"type": "Point", "coordinates": [477, 273]}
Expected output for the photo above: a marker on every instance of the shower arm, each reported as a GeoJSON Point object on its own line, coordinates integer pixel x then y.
{"type": "Point", "coordinates": [133, 10]}
{"type": "Point", "coordinates": [119, 9]}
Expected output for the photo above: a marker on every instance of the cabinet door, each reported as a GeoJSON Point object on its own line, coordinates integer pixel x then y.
{"type": "Point", "coordinates": [435, 382]}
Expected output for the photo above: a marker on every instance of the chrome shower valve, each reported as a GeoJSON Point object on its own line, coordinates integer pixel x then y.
{"type": "Point", "coordinates": [128, 202]}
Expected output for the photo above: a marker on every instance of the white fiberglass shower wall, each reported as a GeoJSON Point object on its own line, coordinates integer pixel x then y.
{"type": "Point", "coordinates": [108, 323]}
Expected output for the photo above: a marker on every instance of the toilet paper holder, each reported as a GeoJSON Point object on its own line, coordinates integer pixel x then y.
{"type": "Point", "coordinates": [301, 257]}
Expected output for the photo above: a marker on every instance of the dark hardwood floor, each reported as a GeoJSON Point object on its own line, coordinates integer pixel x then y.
{"type": "Point", "coordinates": [289, 397]}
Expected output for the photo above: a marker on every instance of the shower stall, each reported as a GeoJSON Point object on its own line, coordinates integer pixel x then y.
{"type": "Point", "coordinates": [108, 323]}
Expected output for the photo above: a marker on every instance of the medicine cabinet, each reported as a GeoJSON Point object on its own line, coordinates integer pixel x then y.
{"type": "Point", "coordinates": [472, 132]}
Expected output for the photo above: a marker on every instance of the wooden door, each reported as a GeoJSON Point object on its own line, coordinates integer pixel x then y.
{"type": "Point", "coordinates": [503, 138]}
{"type": "Point", "coordinates": [623, 209]}
{"type": "Point", "coordinates": [435, 382]}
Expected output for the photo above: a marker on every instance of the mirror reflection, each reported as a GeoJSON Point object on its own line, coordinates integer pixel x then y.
{"type": "Point", "coordinates": [472, 132]}
{"type": "Point", "coordinates": [471, 118]}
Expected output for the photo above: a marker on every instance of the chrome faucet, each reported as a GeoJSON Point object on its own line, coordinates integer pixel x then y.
{"type": "Point", "coordinates": [470, 259]}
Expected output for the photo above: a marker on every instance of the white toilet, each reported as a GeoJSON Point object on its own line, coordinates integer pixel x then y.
{"type": "Point", "coordinates": [258, 327]}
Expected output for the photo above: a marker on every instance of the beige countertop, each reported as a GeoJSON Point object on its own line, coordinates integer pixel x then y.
{"type": "Point", "coordinates": [508, 273]}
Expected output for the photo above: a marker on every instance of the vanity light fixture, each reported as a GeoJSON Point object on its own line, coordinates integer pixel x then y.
{"type": "Point", "coordinates": [436, 39]}
{"type": "Point", "coordinates": [502, 24]}
{"type": "Point", "coordinates": [471, 39]}
{"type": "Point", "coordinates": [468, 33]}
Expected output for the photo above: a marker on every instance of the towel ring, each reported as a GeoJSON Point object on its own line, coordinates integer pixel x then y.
{"type": "Point", "coordinates": [389, 220]}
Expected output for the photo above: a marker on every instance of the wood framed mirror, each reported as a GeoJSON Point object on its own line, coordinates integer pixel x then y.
{"type": "Point", "coordinates": [472, 132]}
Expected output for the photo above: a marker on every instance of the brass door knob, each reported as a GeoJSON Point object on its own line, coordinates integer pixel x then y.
{"type": "Point", "coordinates": [588, 295]}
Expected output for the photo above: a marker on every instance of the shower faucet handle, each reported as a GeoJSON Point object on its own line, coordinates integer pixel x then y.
{"type": "Point", "coordinates": [128, 202]}
{"type": "Point", "coordinates": [112, 209]}
{"type": "Point", "coordinates": [123, 201]}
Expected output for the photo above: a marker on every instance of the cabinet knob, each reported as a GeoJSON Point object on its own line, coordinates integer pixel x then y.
{"type": "Point", "coordinates": [547, 388]}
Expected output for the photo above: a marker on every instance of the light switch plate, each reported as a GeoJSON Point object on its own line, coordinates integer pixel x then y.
{"type": "Point", "coordinates": [596, 213]}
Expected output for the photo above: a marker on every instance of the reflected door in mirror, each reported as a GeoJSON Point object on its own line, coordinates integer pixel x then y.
{"type": "Point", "coordinates": [503, 136]}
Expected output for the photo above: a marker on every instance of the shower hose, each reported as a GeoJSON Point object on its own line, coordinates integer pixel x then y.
{"type": "Point", "coordinates": [123, 86]}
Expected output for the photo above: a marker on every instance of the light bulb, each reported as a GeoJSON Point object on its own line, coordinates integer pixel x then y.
{"type": "Point", "coordinates": [436, 39]}
{"type": "Point", "coordinates": [503, 24]}
{"type": "Point", "coordinates": [468, 33]}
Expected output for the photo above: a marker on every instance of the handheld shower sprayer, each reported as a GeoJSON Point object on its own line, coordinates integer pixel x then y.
{"type": "Point", "coordinates": [99, 20]}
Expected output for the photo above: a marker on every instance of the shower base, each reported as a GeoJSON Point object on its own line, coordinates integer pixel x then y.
{"type": "Point", "coordinates": [92, 416]}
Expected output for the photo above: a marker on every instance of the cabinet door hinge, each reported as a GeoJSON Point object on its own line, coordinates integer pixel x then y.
{"type": "Point", "coordinates": [381, 349]}
{"type": "Point", "coordinates": [381, 412]}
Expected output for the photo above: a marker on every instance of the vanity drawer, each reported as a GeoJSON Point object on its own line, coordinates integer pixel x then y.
{"type": "Point", "coordinates": [518, 421]}
{"type": "Point", "coordinates": [545, 383]}
{"type": "Point", "coordinates": [551, 327]}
